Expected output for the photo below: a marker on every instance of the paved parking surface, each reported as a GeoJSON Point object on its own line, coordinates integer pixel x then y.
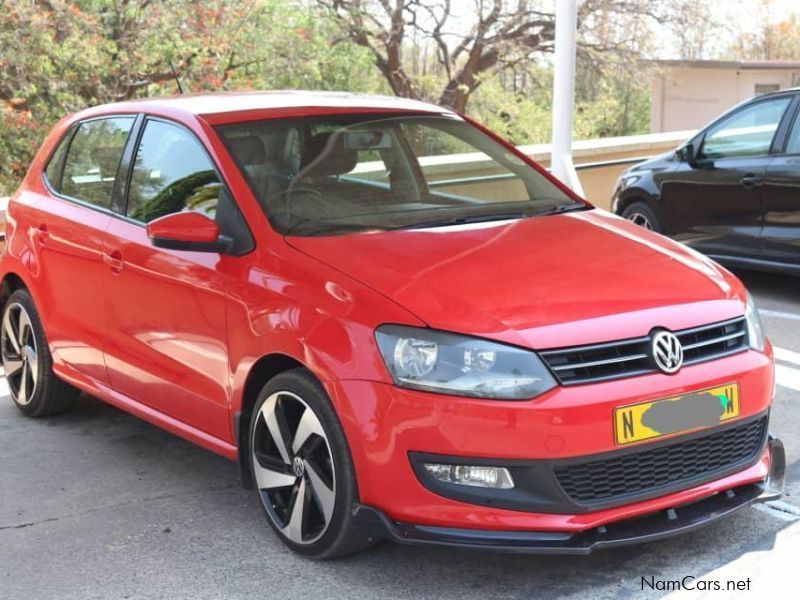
{"type": "Point", "coordinates": [97, 504]}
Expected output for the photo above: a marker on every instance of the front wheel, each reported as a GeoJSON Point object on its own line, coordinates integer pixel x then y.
{"type": "Point", "coordinates": [302, 469]}
{"type": "Point", "coordinates": [28, 366]}
{"type": "Point", "coordinates": [642, 214]}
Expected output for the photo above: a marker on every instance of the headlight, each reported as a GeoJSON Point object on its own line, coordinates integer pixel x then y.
{"type": "Point", "coordinates": [449, 363]}
{"type": "Point", "coordinates": [626, 181]}
{"type": "Point", "coordinates": [755, 328]}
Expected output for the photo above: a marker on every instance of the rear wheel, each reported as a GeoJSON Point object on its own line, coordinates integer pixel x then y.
{"type": "Point", "coordinates": [642, 214]}
{"type": "Point", "coordinates": [34, 387]}
{"type": "Point", "coordinates": [302, 469]}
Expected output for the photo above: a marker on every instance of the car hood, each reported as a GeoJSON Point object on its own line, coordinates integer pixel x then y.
{"type": "Point", "coordinates": [541, 282]}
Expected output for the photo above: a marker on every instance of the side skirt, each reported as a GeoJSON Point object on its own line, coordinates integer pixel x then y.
{"type": "Point", "coordinates": [144, 412]}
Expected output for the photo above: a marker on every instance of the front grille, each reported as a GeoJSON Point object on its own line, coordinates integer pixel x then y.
{"type": "Point", "coordinates": [627, 358]}
{"type": "Point", "coordinates": [649, 470]}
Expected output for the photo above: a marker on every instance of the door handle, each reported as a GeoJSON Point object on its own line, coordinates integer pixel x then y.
{"type": "Point", "coordinates": [41, 233]}
{"type": "Point", "coordinates": [114, 261]}
{"type": "Point", "coordinates": [750, 181]}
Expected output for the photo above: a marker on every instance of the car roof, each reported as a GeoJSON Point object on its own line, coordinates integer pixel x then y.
{"type": "Point", "coordinates": [215, 106]}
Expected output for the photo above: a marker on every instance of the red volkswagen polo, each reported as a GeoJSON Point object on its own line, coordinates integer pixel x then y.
{"type": "Point", "coordinates": [396, 323]}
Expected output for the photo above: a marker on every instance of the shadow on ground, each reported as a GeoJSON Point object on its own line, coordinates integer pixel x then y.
{"type": "Point", "coordinates": [100, 504]}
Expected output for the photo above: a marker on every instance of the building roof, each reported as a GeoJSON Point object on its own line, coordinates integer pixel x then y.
{"type": "Point", "coordinates": [731, 64]}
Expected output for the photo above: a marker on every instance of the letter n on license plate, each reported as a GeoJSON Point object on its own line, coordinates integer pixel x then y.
{"type": "Point", "coordinates": [696, 410]}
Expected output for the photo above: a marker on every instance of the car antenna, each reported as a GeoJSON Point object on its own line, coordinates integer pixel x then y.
{"type": "Point", "coordinates": [175, 75]}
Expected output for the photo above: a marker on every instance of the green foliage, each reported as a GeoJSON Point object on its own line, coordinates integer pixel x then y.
{"type": "Point", "coordinates": [57, 57]}
{"type": "Point", "coordinates": [60, 56]}
{"type": "Point", "coordinates": [606, 104]}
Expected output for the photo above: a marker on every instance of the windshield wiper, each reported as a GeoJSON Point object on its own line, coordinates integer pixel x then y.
{"type": "Point", "coordinates": [326, 226]}
{"type": "Point", "coordinates": [563, 208]}
{"type": "Point", "coordinates": [444, 222]}
{"type": "Point", "coordinates": [314, 226]}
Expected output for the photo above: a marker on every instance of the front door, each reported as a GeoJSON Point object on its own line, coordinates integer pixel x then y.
{"type": "Point", "coordinates": [715, 204]}
{"type": "Point", "coordinates": [69, 232]}
{"type": "Point", "coordinates": [166, 343]}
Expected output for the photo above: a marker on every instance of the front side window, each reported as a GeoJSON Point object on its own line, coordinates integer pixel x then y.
{"type": "Point", "coordinates": [171, 173]}
{"type": "Point", "coordinates": [747, 132]}
{"type": "Point", "coordinates": [93, 158]}
{"type": "Point", "coordinates": [334, 174]}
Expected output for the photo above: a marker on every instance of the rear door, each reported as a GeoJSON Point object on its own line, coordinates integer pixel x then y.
{"type": "Point", "coordinates": [780, 236]}
{"type": "Point", "coordinates": [68, 231]}
{"type": "Point", "coordinates": [716, 203]}
{"type": "Point", "coordinates": [167, 340]}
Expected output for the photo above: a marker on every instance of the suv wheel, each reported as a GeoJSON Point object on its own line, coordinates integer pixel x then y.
{"type": "Point", "coordinates": [302, 469]}
{"type": "Point", "coordinates": [643, 215]}
{"type": "Point", "coordinates": [34, 387]}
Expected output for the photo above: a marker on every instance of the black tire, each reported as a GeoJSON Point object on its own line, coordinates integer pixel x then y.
{"type": "Point", "coordinates": [51, 395]}
{"type": "Point", "coordinates": [341, 534]}
{"type": "Point", "coordinates": [643, 215]}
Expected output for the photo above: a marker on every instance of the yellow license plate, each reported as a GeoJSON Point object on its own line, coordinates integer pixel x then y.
{"type": "Point", "coordinates": [648, 420]}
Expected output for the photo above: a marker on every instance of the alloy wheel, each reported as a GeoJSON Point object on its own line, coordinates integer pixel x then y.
{"type": "Point", "coordinates": [293, 467]}
{"type": "Point", "coordinates": [19, 352]}
{"type": "Point", "coordinates": [641, 220]}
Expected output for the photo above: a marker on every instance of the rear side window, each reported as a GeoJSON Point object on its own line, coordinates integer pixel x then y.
{"type": "Point", "coordinates": [793, 142]}
{"type": "Point", "coordinates": [56, 165]}
{"type": "Point", "coordinates": [171, 173]}
{"type": "Point", "coordinates": [93, 159]}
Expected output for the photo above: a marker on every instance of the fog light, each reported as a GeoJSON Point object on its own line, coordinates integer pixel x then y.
{"type": "Point", "coordinates": [486, 477]}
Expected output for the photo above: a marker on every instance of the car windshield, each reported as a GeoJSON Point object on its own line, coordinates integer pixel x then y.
{"type": "Point", "coordinates": [344, 173]}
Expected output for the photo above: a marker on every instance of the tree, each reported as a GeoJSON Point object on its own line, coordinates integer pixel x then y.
{"type": "Point", "coordinates": [57, 57]}
{"type": "Point", "coordinates": [475, 40]}
{"type": "Point", "coordinates": [466, 48]}
{"type": "Point", "coordinates": [770, 40]}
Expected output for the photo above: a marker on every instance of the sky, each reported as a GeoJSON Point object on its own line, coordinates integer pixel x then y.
{"type": "Point", "coordinates": [738, 15]}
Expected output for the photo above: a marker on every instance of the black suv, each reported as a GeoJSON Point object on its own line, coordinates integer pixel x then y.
{"type": "Point", "coordinates": [732, 191]}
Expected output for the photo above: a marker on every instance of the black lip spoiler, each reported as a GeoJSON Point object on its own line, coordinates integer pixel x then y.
{"type": "Point", "coordinates": [655, 526]}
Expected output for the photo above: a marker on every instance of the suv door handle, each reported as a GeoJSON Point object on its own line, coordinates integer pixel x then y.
{"type": "Point", "coordinates": [114, 261]}
{"type": "Point", "coordinates": [750, 181]}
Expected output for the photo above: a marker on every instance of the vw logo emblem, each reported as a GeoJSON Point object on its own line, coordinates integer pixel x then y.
{"type": "Point", "coordinates": [667, 351]}
{"type": "Point", "coordinates": [298, 467]}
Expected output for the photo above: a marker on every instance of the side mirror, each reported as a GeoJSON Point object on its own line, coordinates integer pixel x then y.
{"type": "Point", "coordinates": [687, 154]}
{"type": "Point", "coordinates": [187, 231]}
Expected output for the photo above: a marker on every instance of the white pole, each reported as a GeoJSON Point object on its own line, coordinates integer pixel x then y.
{"type": "Point", "coordinates": [564, 94]}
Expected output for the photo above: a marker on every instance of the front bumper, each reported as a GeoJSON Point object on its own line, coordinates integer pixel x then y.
{"type": "Point", "coordinates": [654, 526]}
{"type": "Point", "coordinates": [386, 426]}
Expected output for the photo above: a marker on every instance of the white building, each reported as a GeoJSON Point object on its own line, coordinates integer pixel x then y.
{"type": "Point", "coordinates": [687, 94]}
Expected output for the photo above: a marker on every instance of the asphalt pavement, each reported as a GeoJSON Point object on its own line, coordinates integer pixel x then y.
{"type": "Point", "coordinates": [98, 504]}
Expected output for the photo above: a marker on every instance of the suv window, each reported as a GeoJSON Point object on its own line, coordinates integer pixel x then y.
{"type": "Point", "coordinates": [171, 173]}
{"type": "Point", "coordinates": [793, 140]}
{"type": "Point", "coordinates": [747, 132]}
{"type": "Point", "coordinates": [93, 159]}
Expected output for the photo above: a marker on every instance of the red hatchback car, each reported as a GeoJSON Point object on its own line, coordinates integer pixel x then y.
{"type": "Point", "coordinates": [395, 322]}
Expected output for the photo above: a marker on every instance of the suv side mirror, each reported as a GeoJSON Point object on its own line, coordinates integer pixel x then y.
{"type": "Point", "coordinates": [187, 231]}
{"type": "Point", "coordinates": [687, 154]}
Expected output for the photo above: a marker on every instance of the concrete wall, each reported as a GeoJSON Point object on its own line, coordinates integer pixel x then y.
{"type": "Point", "coordinates": [689, 97]}
{"type": "Point", "coordinates": [600, 162]}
